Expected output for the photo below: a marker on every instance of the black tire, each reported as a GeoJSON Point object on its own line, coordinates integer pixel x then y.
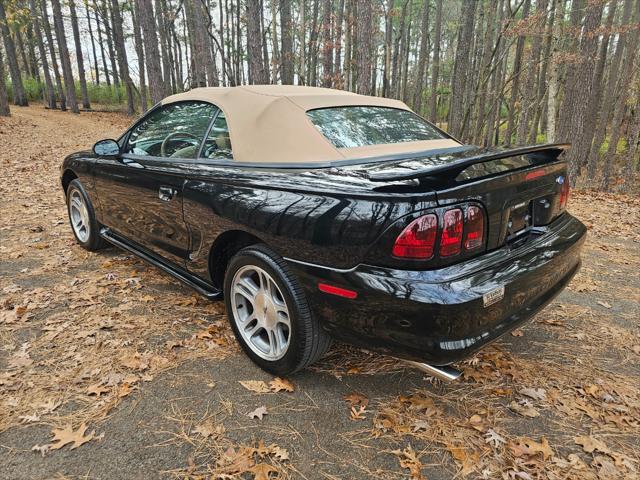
{"type": "Point", "coordinates": [307, 340]}
{"type": "Point", "coordinates": [93, 241]}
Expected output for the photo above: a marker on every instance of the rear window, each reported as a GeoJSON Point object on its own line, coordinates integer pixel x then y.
{"type": "Point", "coordinates": [348, 127]}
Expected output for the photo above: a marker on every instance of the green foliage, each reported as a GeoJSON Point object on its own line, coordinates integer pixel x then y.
{"type": "Point", "coordinates": [102, 94]}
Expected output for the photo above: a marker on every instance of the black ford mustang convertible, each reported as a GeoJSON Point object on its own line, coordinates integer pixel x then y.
{"type": "Point", "coordinates": [320, 214]}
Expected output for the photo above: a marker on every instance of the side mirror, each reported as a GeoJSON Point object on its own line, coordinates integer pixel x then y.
{"type": "Point", "coordinates": [107, 148]}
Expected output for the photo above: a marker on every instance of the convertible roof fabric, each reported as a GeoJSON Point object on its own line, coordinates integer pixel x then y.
{"type": "Point", "coordinates": [268, 123]}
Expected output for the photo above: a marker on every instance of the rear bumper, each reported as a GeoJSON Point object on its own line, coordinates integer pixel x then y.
{"type": "Point", "coordinates": [438, 316]}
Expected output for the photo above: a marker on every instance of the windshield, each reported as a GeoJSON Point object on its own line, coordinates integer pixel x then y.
{"type": "Point", "coordinates": [348, 127]}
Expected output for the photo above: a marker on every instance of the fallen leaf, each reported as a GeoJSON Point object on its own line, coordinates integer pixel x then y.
{"type": "Point", "coordinates": [358, 413]}
{"type": "Point", "coordinates": [604, 304]}
{"type": "Point", "coordinates": [235, 461]}
{"type": "Point", "coordinates": [257, 386]}
{"type": "Point", "coordinates": [356, 399]}
{"type": "Point", "coordinates": [409, 460]}
{"type": "Point", "coordinates": [528, 447]}
{"type": "Point", "coordinates": [261, 471]}
{"type": "Point", "coordinates": [535, 393]}
{"type": "Point", "coordinates": [67, 435]}
{"type": "Point", "coordinates": [97, 389]}
{"type": "Point", "coordinates": [524, 409]}
{"type": "Point", "coordinates": [590, 444]}
{"type": "Point", "coordinates": [494, 439]}
{"type": "Point", "coordinates": [258, 413]}
{"type": "Point", "coordinates": [208, 429]}
{"type": "Point", "coordinates": [419, 425]}
{"type": "Point", "coordinates": [517, 333]}
{"type": "Point", "coordinates": [281, 385]}
{"type": "Point", "coordinates": [464, 459]}
{"type": "Point", "coordinates": [29, 418]}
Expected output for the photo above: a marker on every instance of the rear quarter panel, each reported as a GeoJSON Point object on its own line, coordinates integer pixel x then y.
{"type": "Point", "coordinates": [305, 216]}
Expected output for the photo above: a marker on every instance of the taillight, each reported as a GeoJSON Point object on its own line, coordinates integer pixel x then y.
{"type": "Point", "coordinates": [474, 236]}
{"type": "Point", "coordinates": [451, 238]}
{"type": "Point", "coordinates": [417, 239]}
{"type": "Point", "coordinates": [564, 193]}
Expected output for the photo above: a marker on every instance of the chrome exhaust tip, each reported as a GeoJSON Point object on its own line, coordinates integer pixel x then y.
{"type": "Point", "coordinates": [448, 374]}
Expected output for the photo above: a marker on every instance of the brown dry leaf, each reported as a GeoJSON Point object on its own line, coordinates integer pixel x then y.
{"type": "Point", "coordinates": [535, 393]}
{"type": "Point", "coordinates": [590, 444]}
{"type": "Point", "coordinates": [524, 409]}
{"type": "Point", "coordinates": [262, 471]}
{"type": "Point", "coordinates": [258, 412]}
{"type": "Point", "coordinates": [134, 362]}
{"type": "Point", "coordinates": [281, 385]}
{"type": "Point", "coordinates": [208, 429]}
{"type": "Point", "coordinates": [235, 461]}
{"type": "Point", "coordinates": [358, 413]}
{"type": "Point", "coordinates": [528, 447]}
{"type": "Point", "coordinates": [97, 389]}
{"type": "Point", "coordinates": [356, 399]}
{"type": "Point", "coordinates": [409, 460]}
{"type": "Point", "coordinates": [67, 435]}
{"type": "Point", "coordinates": [257, 386]}
{"type": "Point", "coordinates": [517, 333]}
{"type": "Point", "coordinates": [29, 418]}
{"type": "Point", "coordinates": [494, 439]}
{"type": "Point", "coordinates": [466, 461]}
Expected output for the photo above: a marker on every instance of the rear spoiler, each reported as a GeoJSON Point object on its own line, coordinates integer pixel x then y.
{"type": "Point", "coordinates": [546, 153]}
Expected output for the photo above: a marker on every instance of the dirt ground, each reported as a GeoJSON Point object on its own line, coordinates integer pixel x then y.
{"type": "Point", "coordinates": [110, 369]}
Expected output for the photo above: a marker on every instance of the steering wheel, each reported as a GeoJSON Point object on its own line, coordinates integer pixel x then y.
{"type": "Point", "coordinates": [163, 145]}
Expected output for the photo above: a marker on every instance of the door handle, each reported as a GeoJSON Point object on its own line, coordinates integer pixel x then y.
{"type": "Point", "coordinates": [167, 193]}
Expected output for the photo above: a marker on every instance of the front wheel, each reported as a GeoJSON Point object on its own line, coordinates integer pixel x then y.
{"type": "Point", "coordinates": [269, 312]}
{"type": "Point", "coordinates": [82, 217]}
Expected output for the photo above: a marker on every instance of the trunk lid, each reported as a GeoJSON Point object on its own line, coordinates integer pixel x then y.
{"type": "Point", "coordinates": [520, 188]}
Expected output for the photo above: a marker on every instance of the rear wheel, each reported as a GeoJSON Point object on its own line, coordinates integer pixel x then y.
{"type": "Point", "coordinates": [269, 312]}
{"type": "Point", "coordinates": [82, 217]}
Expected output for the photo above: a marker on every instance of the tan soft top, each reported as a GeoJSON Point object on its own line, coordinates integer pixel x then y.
{"type": "Point", "coordinates": [268, 123]}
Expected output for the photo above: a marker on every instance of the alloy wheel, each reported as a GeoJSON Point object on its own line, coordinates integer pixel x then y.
{"type": "Point", "coordinates": [79, 216]}
{"type": "Point", "coordinates": [260, 312]}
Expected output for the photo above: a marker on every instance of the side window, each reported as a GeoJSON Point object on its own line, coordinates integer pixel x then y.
{"type": "Point", "coordinates": [175, 130]}
{"type": "Point", "coordinates": [218, 144]}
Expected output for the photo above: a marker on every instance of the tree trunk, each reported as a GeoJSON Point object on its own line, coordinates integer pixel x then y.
{"type": "Point", "coordinates": [50, 95]}
{"type": "Point", "coordinates": [54, 62]}
{"type": "Point", "coordinates": [101, 44]}
{"type": "Point", "coordinates": [528, 99]}
{"type": "Point", "coordinates": [5, 111]}
{"type": "Point", "coordinates": [151, 50]}
{"type": "Point", "coordinates": [515, 84]}
{"type": "Point", "coordinates": [632, 40]}
{"type": "Point", "coordinates": [433, 104]}
{"type": "Point", "coordinates": [93, 43]}
{"type": "Point", "coordinates": [578, 103]}
{"type": "Point", "coordinates": [258, 74]}
{"type": "Point", "coordinates": [19, 95]}
{"type": "Point", "coordinates": [337, 74]}
{"type": "Point", "coordinates": [554, 72]}
{"type": "Point", "coordinates": [461, 67]}
{"type": "Point", "coordinates": [609, 94]}
{"type": "Point", "coordinates": [327, 44]}
{"type": "Point", "coordinates": [108, 32]}
{"type": "Point", "coordinates": [286, 38]}
{"type": "Point", "coordinates": [365, 47]}
{"type": "Point", "coordinates": [118, 40]}
{"type": "Point", "coordinates": [423, 58]}
{"type": "Point", "coordinates": [69, 84]}
{"type": "Point", "coordinates": [137, 36]}
{"type": "Point", "coordinates": [312, 64]}
{"type": "Point", "coordinates": [79, 59]}
{"type": "Point", "coordinates": [598, 74]}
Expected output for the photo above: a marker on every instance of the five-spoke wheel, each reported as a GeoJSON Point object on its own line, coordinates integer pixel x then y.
{"type": "Point", "coordinates": [269, 313]}
{"type": "Point", "coordinates": [261, 312]}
